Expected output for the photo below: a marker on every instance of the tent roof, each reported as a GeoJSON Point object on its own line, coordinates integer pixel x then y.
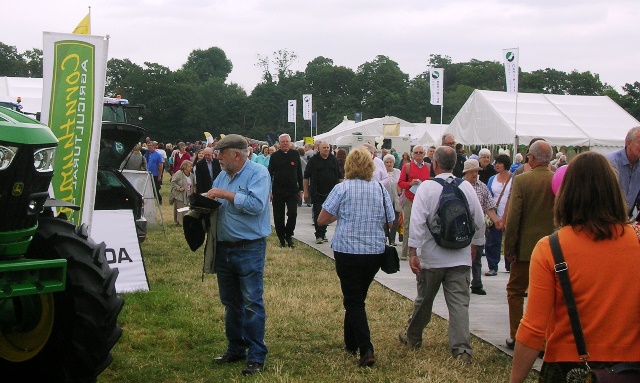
{"type": "Point", "coordinates": [487, 118]}
{"type": "Point", "coordinates": [421, 133]}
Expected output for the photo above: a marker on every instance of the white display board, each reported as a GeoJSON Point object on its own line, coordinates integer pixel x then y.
{"type": "Point", "coordinates": [117, 230]}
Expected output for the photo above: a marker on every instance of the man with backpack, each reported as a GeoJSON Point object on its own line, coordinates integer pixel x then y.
{"type": "Point", "coordinates": [446, 219]}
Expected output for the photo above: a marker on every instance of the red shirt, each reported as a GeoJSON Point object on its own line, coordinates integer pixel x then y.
{"type": "Point", "coordinates": [415, 172]}
{"type": "Point", "coordinates": [179, 159]}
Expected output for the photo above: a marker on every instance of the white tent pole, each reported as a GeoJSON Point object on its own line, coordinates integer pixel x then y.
{"type": "Point", "coordinates": [295, 130]}
{"type": "Point", "coordinates": [441, 112]}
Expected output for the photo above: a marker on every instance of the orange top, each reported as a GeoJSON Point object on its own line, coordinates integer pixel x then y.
{"type": "Point", "coordinates": [605, 277]}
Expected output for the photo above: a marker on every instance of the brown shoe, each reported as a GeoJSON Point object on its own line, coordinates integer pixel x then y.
{"type": "Point", "coordinates": [367, 360]}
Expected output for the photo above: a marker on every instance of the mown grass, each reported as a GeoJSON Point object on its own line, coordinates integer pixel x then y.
{"type": "Point", "coordinates": [172, 332]}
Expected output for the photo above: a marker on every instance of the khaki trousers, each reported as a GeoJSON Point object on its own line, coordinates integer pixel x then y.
{"type": "Point", "coordinates": [406, 212]}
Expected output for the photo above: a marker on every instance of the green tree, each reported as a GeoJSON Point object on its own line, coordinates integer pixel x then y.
{"type": "Point", "coordinates": [381, 87]}
{"type": "Point", "coordinates": [33, 59]}
{"type": "Point", "coordinates": [209, 63]}
{"type": "Point", "coordinates": [332, 88]}
{"type": "Point", "coordinates": [12, 63]}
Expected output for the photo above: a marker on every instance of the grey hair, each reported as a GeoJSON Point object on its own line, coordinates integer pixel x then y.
{"type": "Point", "coordinates": [541, 151]}
{"type": "Point", "coordinates": [484, 152]}
{"type": "Point", "coordinates": [284, 135]}
{"type": "Point", "coordinates": [631, 135]}
{"type": "Point", "coordinates": [244, 152]}
{"type": "Point", "coordinates": [444, 136]}
{"type": "Point", "coordinates": [389, 157]}
{"type": "Point", "coordinates": [370, 148]}
{"type": "Point", "coordinates": [417, 146]}
{"type": "Point", "coordinates": [446, 158]}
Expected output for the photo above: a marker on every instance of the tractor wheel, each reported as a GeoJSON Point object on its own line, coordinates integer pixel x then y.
{"type": "Point", "coordinates": [83, 327]}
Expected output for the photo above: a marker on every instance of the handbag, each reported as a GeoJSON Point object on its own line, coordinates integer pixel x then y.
{"type": "Point", "coordinates": [618, 373]}
{"type": "Point", "coordinates": [390, 259]}
{"type": "Point", "coordinates": [487, 221]}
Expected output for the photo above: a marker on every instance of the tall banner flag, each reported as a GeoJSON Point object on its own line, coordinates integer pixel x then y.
{"type": "Point", "coordinates": [436, 84]}
{"type": "Point", "coordinates": [74, 73]}
{"type": "Point", "coordinates": [510, 58]}
{"type": "Point", "coordinates": [292, 110]}
{"type": "Point", "coordinates": [84, 26]}
{"type": "Point", "coordinates": [306, 106]}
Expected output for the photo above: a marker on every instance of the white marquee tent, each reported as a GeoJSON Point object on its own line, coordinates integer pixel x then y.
{"type": "Point", "coordinates": [488, 118]}
{"type": "Point", "coordinates": [28, 89]}
{"type": "Point", "coordinates": [420, 132]}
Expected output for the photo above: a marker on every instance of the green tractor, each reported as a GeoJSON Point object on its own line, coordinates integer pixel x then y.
{"type": "Point", "coordinates": [58, 302]}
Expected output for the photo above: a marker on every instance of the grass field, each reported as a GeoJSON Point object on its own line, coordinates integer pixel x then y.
{"type": "Point", "coordinates": [172, 332]}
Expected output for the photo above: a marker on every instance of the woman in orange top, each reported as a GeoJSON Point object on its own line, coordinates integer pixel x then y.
{"type": "Point", "coordinates": [603, 256]}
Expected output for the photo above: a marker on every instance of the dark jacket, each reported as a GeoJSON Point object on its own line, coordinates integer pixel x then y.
{"type": "Point", "coordinates": [285, 170]}
{"type": "Point", "coordinates": [204, 181]}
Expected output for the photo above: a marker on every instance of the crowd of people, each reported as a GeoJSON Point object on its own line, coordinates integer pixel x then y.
{"type": "Point", "coordinates": [511, 204]}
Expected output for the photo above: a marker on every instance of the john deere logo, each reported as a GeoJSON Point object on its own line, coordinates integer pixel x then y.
{"type": "Point", "coordinates": [435, 75]}
{"type": "Point", "coordinates": [510, 56]}
{"type": "Point", "coordinates": [18, 188]}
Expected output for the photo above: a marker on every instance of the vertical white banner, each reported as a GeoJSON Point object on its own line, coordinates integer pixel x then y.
{"type": "Point", "coordinates": [74, 74]}
{"type": "Point", "coordinates": [306, 106]}
{"type": "Point", "coordinates": [292, 110]}
{"type": "Point", "coordinates": [510, 58]}
{"type": "Point", "coordinates": [436, 82]}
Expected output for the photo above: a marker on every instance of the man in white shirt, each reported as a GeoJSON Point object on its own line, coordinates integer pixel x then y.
{"type": "Point", "coordinates": [436, 265]}
{"type": "Point", "coordinates": [380, 172]}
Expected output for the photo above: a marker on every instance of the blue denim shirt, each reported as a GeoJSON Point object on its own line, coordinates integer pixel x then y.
{"type": "Point", "coordinates": [629, 176]}
{"type": "Point", "coordinates": [248, 216]}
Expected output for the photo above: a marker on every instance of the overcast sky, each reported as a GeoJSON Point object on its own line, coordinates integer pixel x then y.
{"type": "Point", "coordinates": [600, 36]}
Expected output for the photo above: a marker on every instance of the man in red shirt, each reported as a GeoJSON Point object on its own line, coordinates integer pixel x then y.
{"type": "Point", "coordinates": [411, 176]}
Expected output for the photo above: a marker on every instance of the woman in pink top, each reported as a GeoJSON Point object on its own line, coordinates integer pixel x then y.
{"type": "Point", "coordinates": [602, 254]}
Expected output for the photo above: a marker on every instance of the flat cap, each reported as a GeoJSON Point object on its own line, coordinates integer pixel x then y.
{"type": "Point", "coordinates": [232, 141]}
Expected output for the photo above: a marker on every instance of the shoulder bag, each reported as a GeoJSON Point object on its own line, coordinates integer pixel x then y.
{"type": "Point", "coordinates": [390, 260]}
{"type": "Point", "coordinates": [618, 373]}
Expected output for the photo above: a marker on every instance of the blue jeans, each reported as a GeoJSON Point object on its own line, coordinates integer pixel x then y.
{"type": "Point", "coordinates": [356, 272]}
{"type": "Point", "coordinates": [476, 269]}
{"type": "Point", "coordinates": [240, 271]}
{"type": "Point", "coordinates": [492, 248]}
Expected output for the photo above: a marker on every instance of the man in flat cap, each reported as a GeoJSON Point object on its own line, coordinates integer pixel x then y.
{"type": "Point", "coordinates": [243, 225]}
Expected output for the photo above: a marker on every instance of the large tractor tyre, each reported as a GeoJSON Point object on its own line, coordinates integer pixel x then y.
{"type": "Point", "coordinates": [84, 328]}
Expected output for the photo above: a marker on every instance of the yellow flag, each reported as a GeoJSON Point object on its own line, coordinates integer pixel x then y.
{"type": "Point", "coordinates": [84, 26]}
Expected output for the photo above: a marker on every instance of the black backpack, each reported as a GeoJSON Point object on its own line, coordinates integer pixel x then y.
{"type": "Point", "coordinates": [453, 226]}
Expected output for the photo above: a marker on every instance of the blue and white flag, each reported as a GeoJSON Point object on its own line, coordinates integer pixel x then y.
{"type": "Point", "coordinates": [436, 84]}
{"type": "Point", "coordinates": [306, 106]}
{"type": "Point", "coordinates": [510, 58]}
{"type": "Point", "coordinates": [292, 110]}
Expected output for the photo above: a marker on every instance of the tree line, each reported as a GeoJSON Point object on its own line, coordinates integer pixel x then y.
{"type": "Point", "coordinates": [184, 103]}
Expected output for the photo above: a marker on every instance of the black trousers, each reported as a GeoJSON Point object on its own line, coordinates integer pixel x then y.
{"type": "Point", "coordinates": [356, 272]}
{"type": "Point", "coordinates": [280, 202]}
{"type": "Point", "coordinates": [318, 200]}
{"type": "Point", "coordinates": [158, 184]}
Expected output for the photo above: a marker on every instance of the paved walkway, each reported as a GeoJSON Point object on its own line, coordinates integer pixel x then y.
{"type": "Point", "coordinates": [488, 314]}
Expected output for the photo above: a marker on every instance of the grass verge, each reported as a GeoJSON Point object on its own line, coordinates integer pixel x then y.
{"type": "Point", "coordinates": [172, 332]}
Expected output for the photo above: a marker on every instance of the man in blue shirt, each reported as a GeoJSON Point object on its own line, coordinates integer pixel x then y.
{"type": "Point", "coordinates": [155, 166]}
{"type": "Point", "coordinates": [625, 161]}
{"type": "Point", "coordinates": [243, 223]}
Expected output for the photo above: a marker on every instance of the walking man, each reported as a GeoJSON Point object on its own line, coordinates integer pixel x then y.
{"type": "Point", "coordinates": [320, 176]}
{"type": "Point", "coordinates": [436, 265]}
{"type": "Point", "coordinates": [285, 170]}
{"type": "Point", "coordinates": [155, 166]}
{"type": "Point", "coordinates": [411, 176]}
{"type": "Point", "coordinates": [529, 218]}
{"type": "Point", "coordinates": [206, 171]}
{"type": "Point", "coordinates": [242, 227]}
{"type": "Point", "coordinates": [625, 161]}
